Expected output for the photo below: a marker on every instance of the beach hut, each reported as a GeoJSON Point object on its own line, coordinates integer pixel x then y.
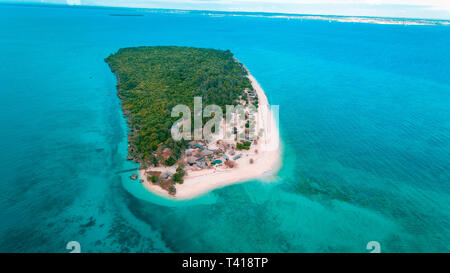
{"type": "Point", "coordinates": [206, 153]}
{"type": "Point", "coordinates": [153, 173]}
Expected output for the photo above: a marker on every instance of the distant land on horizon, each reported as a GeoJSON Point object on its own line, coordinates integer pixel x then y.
{"type": "Point", "coordinates": [286, 15]}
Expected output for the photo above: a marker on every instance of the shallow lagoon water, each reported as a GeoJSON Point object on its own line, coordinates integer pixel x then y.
{"type": "Point", "coordinates": [364, 117]}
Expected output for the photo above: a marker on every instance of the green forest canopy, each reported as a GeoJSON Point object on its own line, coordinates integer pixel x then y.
{"type": "Point", "coordinates": [152, 80]}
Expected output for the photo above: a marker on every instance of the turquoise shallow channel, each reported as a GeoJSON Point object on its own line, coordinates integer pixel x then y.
{"type": "Point", "coordinates": [364, 118]}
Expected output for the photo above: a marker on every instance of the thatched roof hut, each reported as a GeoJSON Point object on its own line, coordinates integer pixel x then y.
{"type": "Point", "coordinates": [206, 153]}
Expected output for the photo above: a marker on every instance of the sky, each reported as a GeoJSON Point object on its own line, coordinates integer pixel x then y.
{"type": "Point", "coordinates": [432, 9]}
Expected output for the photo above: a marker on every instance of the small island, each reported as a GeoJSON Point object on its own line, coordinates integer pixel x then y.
{"type": "Point", "coordinates": [151, 81]}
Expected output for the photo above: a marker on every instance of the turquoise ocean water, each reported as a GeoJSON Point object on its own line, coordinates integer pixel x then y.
{"type": "Point", "coordinates": [364, 116]}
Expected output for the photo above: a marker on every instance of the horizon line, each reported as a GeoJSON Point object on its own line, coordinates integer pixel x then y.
{"type": "Point", "coordinates": [25, 3]}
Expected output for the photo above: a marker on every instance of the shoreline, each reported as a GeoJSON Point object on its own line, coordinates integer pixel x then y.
{"type": "Point", "coordinates": [266, 163]}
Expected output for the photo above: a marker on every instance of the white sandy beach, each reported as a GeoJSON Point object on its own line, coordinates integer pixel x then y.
{"type": "Point", "coordinates": [266, 155]}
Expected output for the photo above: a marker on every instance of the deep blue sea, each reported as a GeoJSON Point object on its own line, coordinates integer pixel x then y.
{"type": "Point", "coordinates": [364, 118]}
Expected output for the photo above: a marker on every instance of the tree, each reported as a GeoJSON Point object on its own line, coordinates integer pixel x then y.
{"type": "Point", "coordinates": [172, 190]}
{"type": "Point", "coordinates": [178, 178]}
{"type": "Point", "coordinates": [153, 160]}
{"type": "Point", "coordinates": [170, 161]}
{"type": "Point", "coordinates": [243, 146]}
{"type": "Point", "coordinates": [152, 80]}
{"type": "Point", "coordinates": [180, 169]}
{"type": "Point", "coordinates": [153, 179]}
{"type": "Point", "coordinates": [180, 173]}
